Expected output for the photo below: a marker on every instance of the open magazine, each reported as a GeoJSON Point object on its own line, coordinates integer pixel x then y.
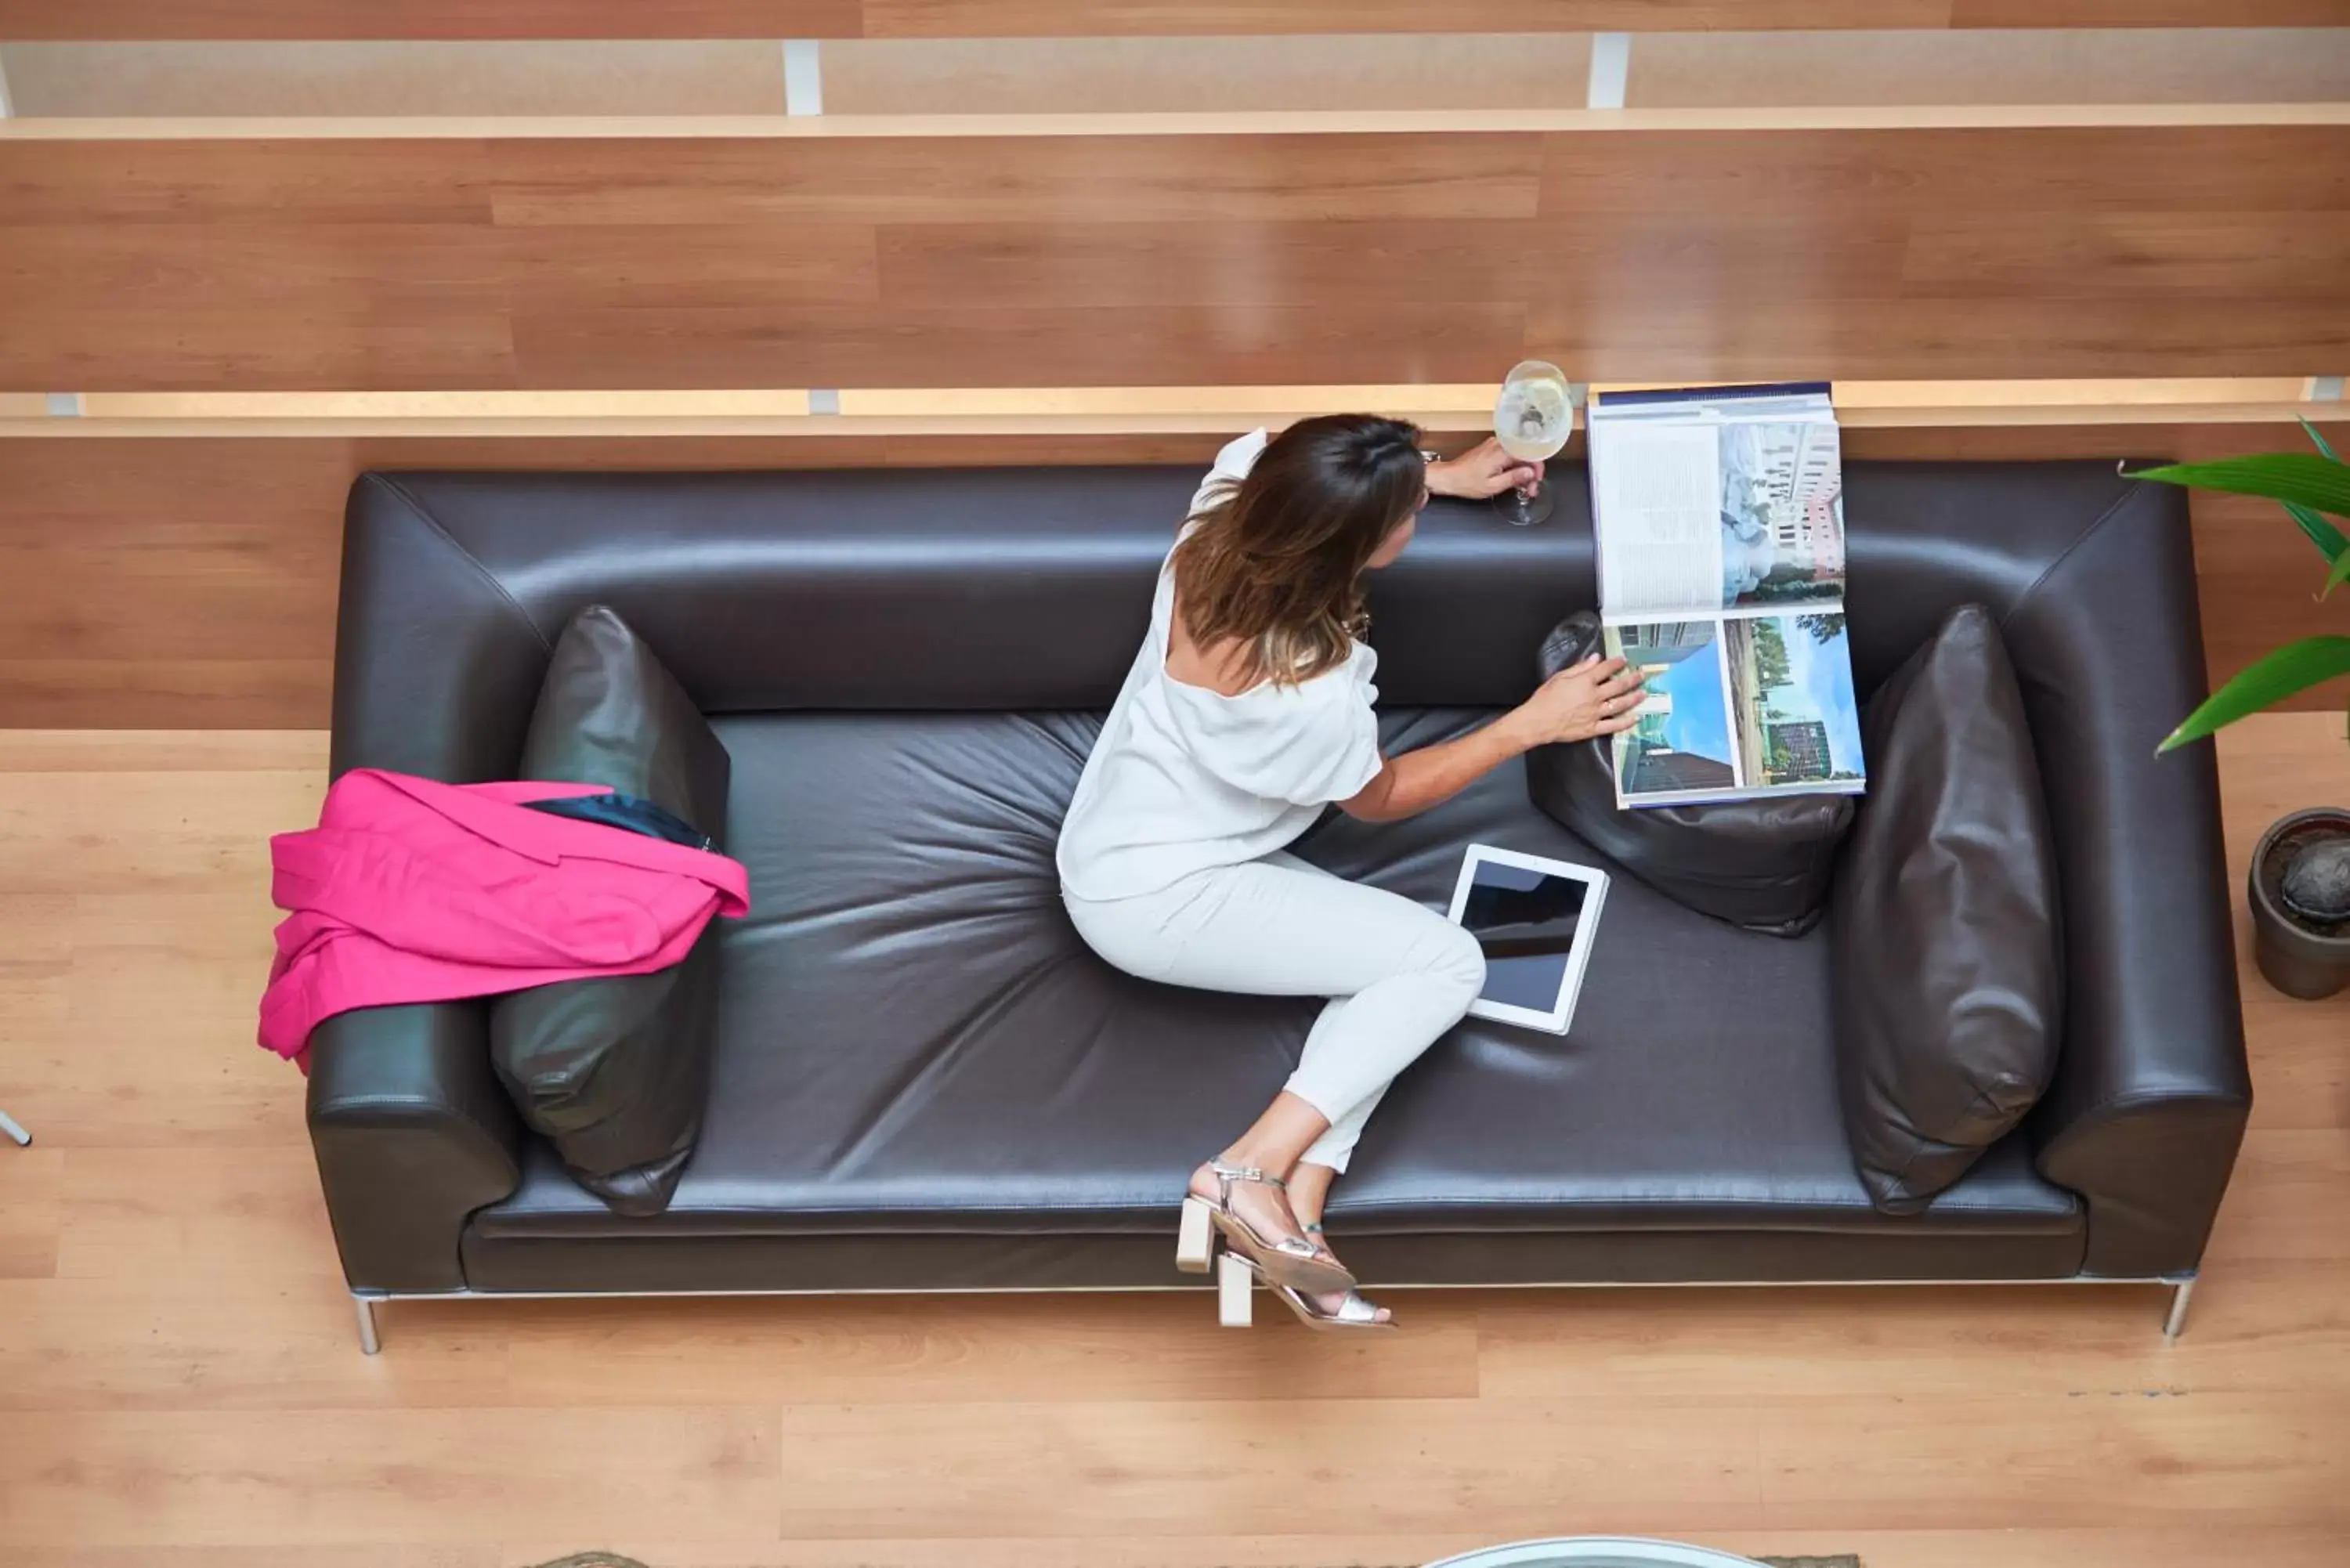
{"type": "Point", "coordinates": [1720, 517]}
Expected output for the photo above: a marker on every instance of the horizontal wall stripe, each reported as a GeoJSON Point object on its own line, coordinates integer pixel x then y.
{"type": "Point", "coordinates": [914, 412]}
{"type": "Point", "coordinates": [395, 406]}
{"type": "Point", "coordinates": [1300, 122]}
{"type": "Point", "coordinates": [368, 19]}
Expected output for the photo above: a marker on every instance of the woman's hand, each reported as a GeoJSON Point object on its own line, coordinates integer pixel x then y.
{"type": "Point", "coordinates": [1592, 699]}
{"type": "Point", "coordinates": [1483, 469]}
{"type": "Point", "coordinates": [1595, 696]}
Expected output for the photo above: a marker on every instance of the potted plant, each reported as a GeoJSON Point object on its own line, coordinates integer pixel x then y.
{"type": "Point", "coordinates": [2299, 887]}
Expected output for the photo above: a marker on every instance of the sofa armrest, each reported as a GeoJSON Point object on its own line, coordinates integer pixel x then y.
{"type": "Point", "coordinates": [437, 665]}
{"type": "Point", "coordinates": [2152, 1161]}
{"type": "Point", "coordinates": [412, 1132]}
{"type": "Point", "coordinates": [2151, 1091]}
{"type": "Point", "coordinates": [436, 668]}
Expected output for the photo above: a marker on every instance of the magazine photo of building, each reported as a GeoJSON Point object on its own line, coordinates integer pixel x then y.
{"type": "Point", "coordinates": [1791, 699]}
{"type": "Point", "coordinates": [1718, 521]}
{"type": "Point", "coordinates": [1782, 513]}
{"type": "Point", "coordinates": [1683, 739]}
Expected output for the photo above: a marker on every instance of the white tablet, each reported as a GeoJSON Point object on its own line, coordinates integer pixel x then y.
{"type": "Point", "coordinates": [1535, 919]}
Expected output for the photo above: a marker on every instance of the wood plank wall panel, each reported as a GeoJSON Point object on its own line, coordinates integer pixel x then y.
{"type": "Point", "coordinates": [190, 583]}
{"type": "Point", "coordinates": [1118, 74]}
{"type": "Point", "coordinates": [1913, 67]}
{"type": "Point", "coordinates": [1173, 260]}
{"type": "Point", "coordinates": [2145, 14]}
{"type": "Point", "coordinates": [989, 18]}
{"type": "Point", "coordinates": [1080, 18]}
{"type": "Point", "coordinates": [1905, 67]}
{"type": "Point", "coordinates": [160, 19]}
{"type": "Point", "coordinates": [400, 76]}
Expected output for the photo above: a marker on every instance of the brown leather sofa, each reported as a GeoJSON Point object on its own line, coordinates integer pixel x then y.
{"type": "Point", "coordinates": [925, 1082]}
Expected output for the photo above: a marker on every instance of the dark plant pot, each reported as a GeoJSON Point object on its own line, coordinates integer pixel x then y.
{"type": "Point", "coordinates": [2298, 958]}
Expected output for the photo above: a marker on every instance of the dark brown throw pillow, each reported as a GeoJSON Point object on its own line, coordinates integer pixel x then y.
{"type": "Point", "coordinates": [615, 1072]}
{"type": "Point", "coordinates": [1947, 979]}
{"type": "Point", "coordinates": [1763, 865]}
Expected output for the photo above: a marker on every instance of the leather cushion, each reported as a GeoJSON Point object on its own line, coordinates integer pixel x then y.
{"type": "Point", "coordinates": [914, 1042]}
{"type": "Point", "coordinates": [1763, 865]}
{"type": "Point", "coordinates": [614, 1072]}
{"type": "Point", "coordinates": [1947, 977]}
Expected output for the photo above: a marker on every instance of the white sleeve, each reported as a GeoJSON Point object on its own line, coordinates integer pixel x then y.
{"type": "Point", "coordinates": [1232, 466]}
{"type": "Point", "coordinates": [1344, 756]}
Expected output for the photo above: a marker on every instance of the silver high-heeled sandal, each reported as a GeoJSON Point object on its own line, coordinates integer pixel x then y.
{"type": "Point", "coordinates": [1237, 1274]}
{"type": "Point", "coordinates": [1290, 1261]}
{"type": "Point", "coordinates": [1358, 1311]}
{"type": "Point", "coordinates": [1354, 1311]}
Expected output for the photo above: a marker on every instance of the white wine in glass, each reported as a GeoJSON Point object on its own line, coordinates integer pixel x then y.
{"type": "Point", "coordinates": [1532, 420]}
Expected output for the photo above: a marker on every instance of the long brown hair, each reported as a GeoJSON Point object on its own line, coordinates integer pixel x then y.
{"type": "Point", "coordinates": [1277, 560]}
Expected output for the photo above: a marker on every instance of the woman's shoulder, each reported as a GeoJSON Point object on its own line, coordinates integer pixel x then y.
{"type": "Point", "coordinates": [1288, 704]}
{"type": "Point", "coordinates": [1219, 672]}
{"type": "Point", "coordinates": [1239, 455]}
{"type": "Point", "coordinates": [1232, 464]}
{"type": "Point", "coordinates": [1287, 740]}
{"type": "Point", "coordinates": [1352, 678]}
{"type": "Point", "coordinates": [1348, 680]}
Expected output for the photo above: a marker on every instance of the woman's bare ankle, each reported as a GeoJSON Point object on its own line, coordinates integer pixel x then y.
{"type": "Point", "coordinates": [1259, 1204]}
{"type": "Point", "coordinates": [1309, 1192]}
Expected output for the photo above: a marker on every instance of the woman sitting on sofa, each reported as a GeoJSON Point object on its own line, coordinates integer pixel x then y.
{"type": "Point", "coordinates": [1247, 711]}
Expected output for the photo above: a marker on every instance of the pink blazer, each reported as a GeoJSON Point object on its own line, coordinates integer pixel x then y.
{"type": "Point", "coordinates": [410, 890]}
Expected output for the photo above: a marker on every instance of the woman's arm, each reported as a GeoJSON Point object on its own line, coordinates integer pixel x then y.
{"type": "Point", "coordinates": [1594, 698]}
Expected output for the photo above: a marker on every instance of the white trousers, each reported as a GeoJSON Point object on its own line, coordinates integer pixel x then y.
{"type": "Point", "coordinates": [1397, 974]}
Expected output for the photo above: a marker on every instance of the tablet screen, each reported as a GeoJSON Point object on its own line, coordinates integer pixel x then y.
{"type": "Point", "coordinates": [1525, 920]}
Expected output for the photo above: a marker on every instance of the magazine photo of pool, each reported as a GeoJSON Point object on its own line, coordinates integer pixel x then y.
{"type": "Point", "coordinates": [1683, 739]}
{"type": "Point", "coordinates": [1790, 689]}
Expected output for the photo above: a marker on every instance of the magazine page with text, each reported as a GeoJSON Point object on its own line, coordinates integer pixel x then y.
{"type": "Point", "coordinates": [1719, 518]}
{"type": "Point", "coordinates": [1711, 501]}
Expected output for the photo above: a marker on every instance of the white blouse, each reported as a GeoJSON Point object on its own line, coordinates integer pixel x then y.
{"type": "Point", "coordinates": [1184, 779]}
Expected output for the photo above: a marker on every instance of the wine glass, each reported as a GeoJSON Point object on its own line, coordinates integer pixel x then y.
{"type": "Point", "coordinates": [1533, 419]}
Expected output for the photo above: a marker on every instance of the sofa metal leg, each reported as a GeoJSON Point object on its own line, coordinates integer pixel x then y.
{"type": "Point", "coordinates": [369, 1340]}
{"type": "Point", "coordinates": [2180, 1294]}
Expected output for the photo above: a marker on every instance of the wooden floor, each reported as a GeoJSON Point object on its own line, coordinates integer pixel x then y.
{"type": "Point", "coordinates": [179, 1386]}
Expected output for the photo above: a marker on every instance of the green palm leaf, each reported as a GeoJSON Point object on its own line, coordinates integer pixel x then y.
{"type": "Point", "coordinates": [2296, 478]}
{"type": "Point", "coordinates": [2338, 576]}
{"type": "Point", "coordinates": [2321, 534]}
{"type": "Point", "coordinates": [2295, 667]}
{"type": "Point", "coordinates": [2318, 441]}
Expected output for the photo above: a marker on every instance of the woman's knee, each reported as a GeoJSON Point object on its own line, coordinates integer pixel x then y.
{"type": "Point", "coordinates": [1454, 955]}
